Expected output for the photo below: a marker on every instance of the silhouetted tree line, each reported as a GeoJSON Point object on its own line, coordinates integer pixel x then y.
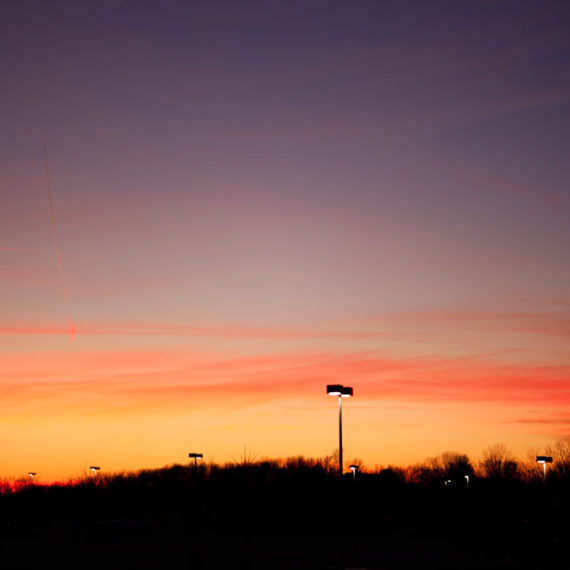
{"type": "Point", "coordinates": [444, 512]}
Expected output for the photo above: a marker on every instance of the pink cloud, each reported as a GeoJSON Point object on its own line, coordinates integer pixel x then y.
{"type": "Point", "coordinates": [174, 379]}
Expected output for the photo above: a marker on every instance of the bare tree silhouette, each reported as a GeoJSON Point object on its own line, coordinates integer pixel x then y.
{"type": "Point", "coordinates": [499, 463]}
{"type": "Point", "coordinates": [560, 453]}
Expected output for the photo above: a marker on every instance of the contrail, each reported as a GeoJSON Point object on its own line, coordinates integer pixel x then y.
{"type": "Point", "coordinates": [59, 264]}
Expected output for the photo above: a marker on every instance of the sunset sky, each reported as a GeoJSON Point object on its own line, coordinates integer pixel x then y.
{"type": "Point", "coordinates": [253, 199]}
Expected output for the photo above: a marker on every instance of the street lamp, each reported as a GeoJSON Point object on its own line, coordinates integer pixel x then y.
{"type": "Point", "coordinates": [31, 475]}
{"type": "Point", "coordinates": [341, 392]}
{"type": "Point", "coordinates": [196, 456]}
{"type": "Point", "coordinates": [466, 480]}
{"type": "Point", "coordinates": [354, 469]}
{"type": "Point", "coordinates": [94, 470]}
{"type": "Point", "coordinates": [544, 459]}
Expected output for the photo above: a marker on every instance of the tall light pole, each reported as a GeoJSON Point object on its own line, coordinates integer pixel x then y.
{"type": "Point", "coordinates": [354, 469]}
{"type": "Point", "coordinates": [341, 392]}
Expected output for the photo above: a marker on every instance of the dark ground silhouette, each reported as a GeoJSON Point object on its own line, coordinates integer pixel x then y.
{"type": "Point", "coordinates": [300, 515]}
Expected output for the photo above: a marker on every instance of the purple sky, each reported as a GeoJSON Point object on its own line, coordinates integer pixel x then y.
{"type": "Point", "coordinates": [374, 168]}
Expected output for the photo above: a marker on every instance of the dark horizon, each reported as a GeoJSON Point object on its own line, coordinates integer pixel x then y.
{"type": "Point", "coordinates": [297, 515]}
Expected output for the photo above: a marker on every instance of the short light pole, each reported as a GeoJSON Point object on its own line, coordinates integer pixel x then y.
{"type": "Point", "coordinates": [466, 480]}
{"type": "Point", "coordinates": [94, 470]}
{"type": "Point", "coordinates": [31, 475]}
{"type": "Point", "coordinates": [196, 456]}
{"type": "Point", "coordinates": [544, 459]}
{"type": "Point", "coordinates": [341, 392]}
{"type": "Point", "coordinates": [354, 469]}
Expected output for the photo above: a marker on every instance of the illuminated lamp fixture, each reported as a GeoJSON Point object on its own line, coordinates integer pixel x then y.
{"type": "Point", "coordinates": [31, 475]}
{"type": "Point", "coordinates": [196, 456]}
{"type": "Point", "coordinates": [544, 459]}
{"type": "Point", "coordinates": [354, 469]}
{"type": "Point", "coordinates": [341, 392]}
{"type": "Point", "coordinates": [94, 470]}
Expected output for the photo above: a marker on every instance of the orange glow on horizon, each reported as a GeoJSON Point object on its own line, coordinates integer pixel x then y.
{"type": "Point", "coordinates": [152, 403]}
{"type": "Point", "coordinates": [248, 210]}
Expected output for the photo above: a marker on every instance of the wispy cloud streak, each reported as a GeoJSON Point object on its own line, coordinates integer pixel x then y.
{"type": "Point", "coordinates": [219, 331]}
{"type": "Point", "coordinates": [404, 325]}
{"type": "Point", "coordinates": [22, 249]}
{"type": "Point", "coordinates": [174, 379]}
{"type": "Point", "coordinates": [497, 183]}
{"type": "Point", "coordinates": [59, 263]}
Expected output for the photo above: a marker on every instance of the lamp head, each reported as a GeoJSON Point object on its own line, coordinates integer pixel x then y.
{"type": "Point", "coordinates": [334, 389]}
{"type": "Point", "coordinates": [346, 392]}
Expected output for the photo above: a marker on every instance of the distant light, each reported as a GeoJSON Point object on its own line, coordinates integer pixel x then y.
{"type": "Point", "coordinates": [195, 456]}
{"type": "Point", "coordinates": [354, 467]}
{"type": "Point", "coordinates": [94, 469]}
{"type": "Point", "coordinates": [31, 474]}
{"type": "Point", "coordinates": [543, 459]}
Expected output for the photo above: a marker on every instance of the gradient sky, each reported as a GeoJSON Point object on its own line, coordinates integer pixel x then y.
{"type": "Point", "coordinates": [255, 199]}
